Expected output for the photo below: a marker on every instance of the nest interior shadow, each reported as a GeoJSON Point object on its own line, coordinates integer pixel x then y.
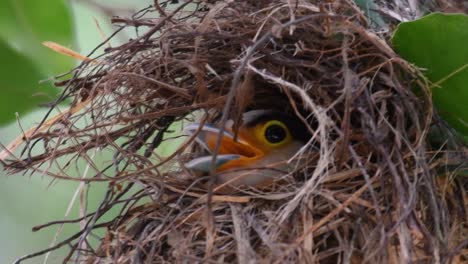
{"type": "Point", "coordinates": [363, 189]}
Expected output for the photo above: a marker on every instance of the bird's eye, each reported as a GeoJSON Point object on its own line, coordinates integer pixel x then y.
{"type": "Point", "coordinates": [275, 133]}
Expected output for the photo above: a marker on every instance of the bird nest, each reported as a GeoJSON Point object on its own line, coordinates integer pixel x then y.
{"type": "Point", "coordinates": [366, 187]}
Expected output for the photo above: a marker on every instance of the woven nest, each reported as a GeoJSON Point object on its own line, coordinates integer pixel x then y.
{"type": "Point", "coordinates": [365, 188]}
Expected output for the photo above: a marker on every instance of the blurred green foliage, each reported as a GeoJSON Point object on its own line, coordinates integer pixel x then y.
{"type": "Point", "coordinates": [24, 25]}
{"type": "Point", "coordinates": [438, 43]}
{"type": "Point", "coordinates": [33, 199]}
{"type": "Point", "coordinates": [17, 82]}
{"type": "Point", "coordinates": [371, 11]}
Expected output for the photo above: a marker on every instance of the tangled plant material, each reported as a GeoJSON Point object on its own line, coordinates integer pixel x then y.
{"type": "Point", "coordinates": [408, 10]}
{"type": "Point", "coordinates": [367, 194]}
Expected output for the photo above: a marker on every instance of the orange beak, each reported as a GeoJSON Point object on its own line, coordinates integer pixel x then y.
{"type": "Point", "coordinates": [231, 153]}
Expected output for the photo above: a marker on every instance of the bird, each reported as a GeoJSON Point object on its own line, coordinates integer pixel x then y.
{"type": "Point", "coordinates": [266, 140]}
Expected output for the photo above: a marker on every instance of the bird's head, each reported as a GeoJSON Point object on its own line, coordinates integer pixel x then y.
{"type": "Point", "coordinates": [266, 138]}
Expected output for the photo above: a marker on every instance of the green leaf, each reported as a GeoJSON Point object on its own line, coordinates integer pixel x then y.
{"type": "Point", "coordinates": [25, 24]}
{"type": "Point", "coordinates": [439, 43]}
{"type": "Point", "coordinates": [19, 81]}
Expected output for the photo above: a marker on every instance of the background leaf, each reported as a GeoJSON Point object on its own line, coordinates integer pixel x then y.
{"type": "Point", "coordinates": [370, 9]}
{"type": "Point", "coordinates": [24, 25]}
{"type": "Point", "coordinates": [439, 43]}
{"type": "Point", "coordinates": [19, 81]}
{"type": "Point", "coordinates": [32, 200]}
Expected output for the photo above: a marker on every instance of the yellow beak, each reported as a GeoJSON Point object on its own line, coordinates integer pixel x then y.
{"type": "Point", "coordinates": [231, 154]}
